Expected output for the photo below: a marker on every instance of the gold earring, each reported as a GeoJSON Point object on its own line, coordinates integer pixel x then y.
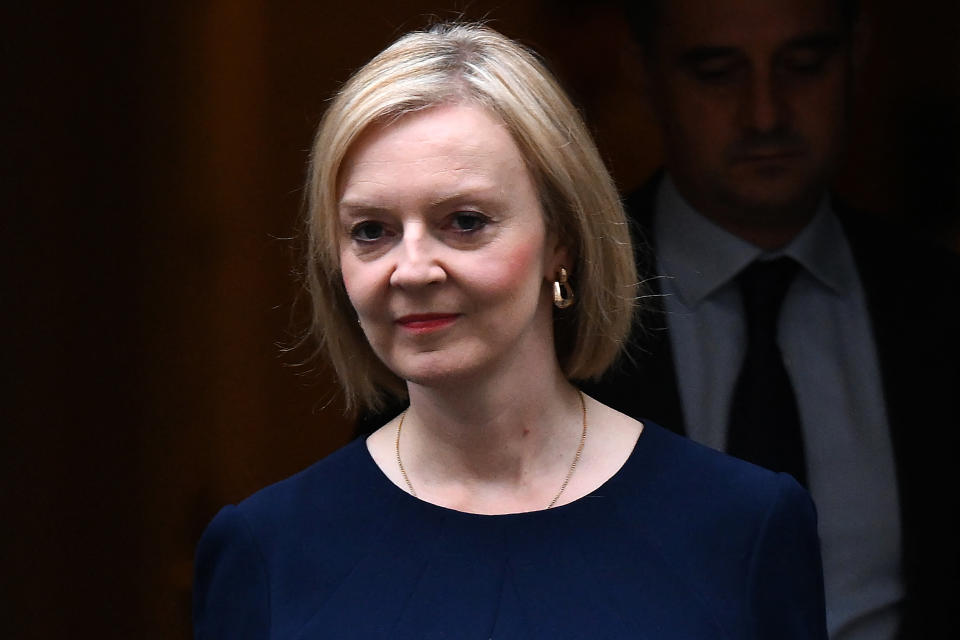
{"type": "Point", "coordinates": [563, 295]}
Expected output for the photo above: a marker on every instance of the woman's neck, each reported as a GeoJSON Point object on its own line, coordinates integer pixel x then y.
{"type": "Point", "coordinates": [492, 419]}
{"type": "Point", "coordinates": [492, 442]}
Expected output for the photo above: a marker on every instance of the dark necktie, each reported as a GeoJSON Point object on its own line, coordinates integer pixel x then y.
{"type": "Point", "coordinates": [764, 423]}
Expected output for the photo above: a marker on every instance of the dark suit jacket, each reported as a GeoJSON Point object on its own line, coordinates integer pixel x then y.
{"type": "Point", "coordinates": [913, 294]}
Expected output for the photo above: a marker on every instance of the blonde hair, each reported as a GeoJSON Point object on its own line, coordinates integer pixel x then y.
{"type": "Point", "coordinates": [456, 62]}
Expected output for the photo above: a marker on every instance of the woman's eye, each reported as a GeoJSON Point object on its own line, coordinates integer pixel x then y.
{"type": "Point", "coordinates": [468, 221]}
{"type": "Point", "coordinates": [367, 231]}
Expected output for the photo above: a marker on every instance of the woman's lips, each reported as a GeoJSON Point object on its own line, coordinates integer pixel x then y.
{"type": "Point", "coordinates": [426, 322]}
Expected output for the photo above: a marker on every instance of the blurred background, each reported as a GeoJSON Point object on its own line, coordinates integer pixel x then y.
{"type": "Point", "coordinates": [153, 156]}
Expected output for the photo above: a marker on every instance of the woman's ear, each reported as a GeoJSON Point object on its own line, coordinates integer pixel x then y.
{"type": "Point", "coordinates": [558, 256]}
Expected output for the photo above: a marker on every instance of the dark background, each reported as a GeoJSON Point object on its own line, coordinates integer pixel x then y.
{"type": "Point", "coordinates": [153, 155]}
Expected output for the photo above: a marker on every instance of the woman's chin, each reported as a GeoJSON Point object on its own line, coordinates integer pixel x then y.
{"type": "Point", "coordinates": [438, 372]}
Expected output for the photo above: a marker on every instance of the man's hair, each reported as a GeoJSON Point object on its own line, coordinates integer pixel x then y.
{"type": "Point", "coordinates": [472, 64]}
{"type": "Point", "coordinates": [643, 17]}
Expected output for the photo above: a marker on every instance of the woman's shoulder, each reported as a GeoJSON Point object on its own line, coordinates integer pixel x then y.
{"type": "Point", "coordinates": [333, 506]}
{"type": "Point", "coordinates": [339, 488]}
{"type": "Point", "coordinates": [664, 470]}
{"type": "Point", "coordinates": [308, 527]}
{"type": "Point", "coordinates": [722, 516]}
{"type": "Point", "coordinates": [682, 469]}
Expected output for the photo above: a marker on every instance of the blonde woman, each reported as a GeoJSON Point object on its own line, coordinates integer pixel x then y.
{"type": "Point", "coordinates": [468, 251]}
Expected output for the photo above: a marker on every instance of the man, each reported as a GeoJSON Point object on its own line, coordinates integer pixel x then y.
{"type": "Point", "coordinates": [752, 99]}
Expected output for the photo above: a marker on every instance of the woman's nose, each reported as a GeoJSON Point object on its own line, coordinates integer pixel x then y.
{"type": "Point", "coordinates": [417, 263]}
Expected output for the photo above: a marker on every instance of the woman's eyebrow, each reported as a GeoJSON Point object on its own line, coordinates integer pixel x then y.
{"type": "Point", "coordinates": [484, 193]}
{"type": "Point", "coordinates": [356, 206]}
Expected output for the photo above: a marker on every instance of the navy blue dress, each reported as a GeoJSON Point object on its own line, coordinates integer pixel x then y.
{"type": "Point", "coordinates": [682, 542]}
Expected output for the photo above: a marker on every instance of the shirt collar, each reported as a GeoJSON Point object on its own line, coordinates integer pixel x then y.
{"type": "Point", "coordinates": [700, 257]}
{"type": "Point", "coordinates": [822, 250]}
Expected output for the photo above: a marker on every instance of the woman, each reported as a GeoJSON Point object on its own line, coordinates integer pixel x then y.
{"type": "Point", "coordinates": [468, 250]}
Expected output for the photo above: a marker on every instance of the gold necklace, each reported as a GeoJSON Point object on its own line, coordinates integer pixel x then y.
{"type": "Point", "coordinates": [566, 480]}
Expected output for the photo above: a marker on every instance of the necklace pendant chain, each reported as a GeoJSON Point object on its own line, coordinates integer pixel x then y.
{"type": "Point", "coordinates": [403, 471]}
{"type": "Point", "coordinates": [566, 480]}
{"type": "Point", "coordinates": [576, 458]}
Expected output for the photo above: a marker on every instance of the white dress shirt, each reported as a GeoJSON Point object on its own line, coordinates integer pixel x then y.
{"type": "Point", "coordinates": [826, 339]}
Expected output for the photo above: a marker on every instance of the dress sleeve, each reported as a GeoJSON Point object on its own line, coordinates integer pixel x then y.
{"type": "Point", "coordinates": [231, 597]}
{"type": "Point", "coordinates": [786, 574]}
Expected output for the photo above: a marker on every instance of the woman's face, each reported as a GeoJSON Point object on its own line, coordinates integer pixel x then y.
{"type": "Point", "coordinates": [444, 250]}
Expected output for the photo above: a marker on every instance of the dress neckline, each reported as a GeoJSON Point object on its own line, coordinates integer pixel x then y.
{"type": "Point", "coordinates": [615, 479]}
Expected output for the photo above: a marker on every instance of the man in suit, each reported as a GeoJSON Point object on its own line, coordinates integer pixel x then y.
{"type": "Point", "coordinates": [752, 98]}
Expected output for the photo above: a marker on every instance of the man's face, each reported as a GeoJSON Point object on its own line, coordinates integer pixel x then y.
{"type": "Point", "coordinates": [751, 95]}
